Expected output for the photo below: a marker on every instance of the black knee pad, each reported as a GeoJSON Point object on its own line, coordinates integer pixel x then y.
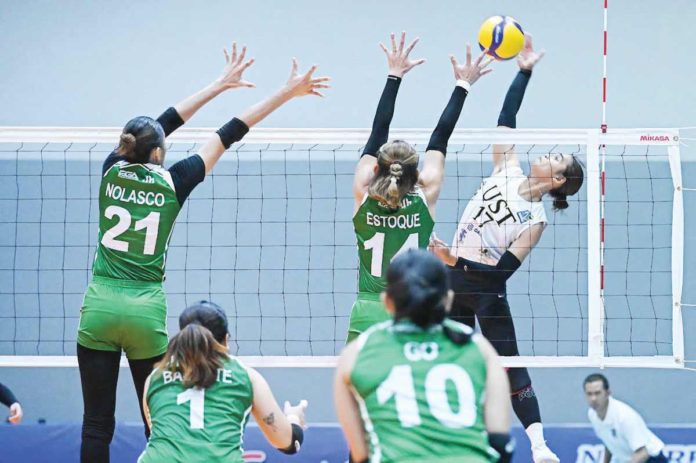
{"type": "Point", "coordinates": [519, 379]}
{"type": "Point", "coordinates": [98, 427]}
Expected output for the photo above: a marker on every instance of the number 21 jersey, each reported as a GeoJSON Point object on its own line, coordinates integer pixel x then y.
{"type": "Point", "coordinates": [137, 209]}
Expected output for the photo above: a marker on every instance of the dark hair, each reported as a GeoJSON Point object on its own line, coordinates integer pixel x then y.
{"type": "Point", "coordinates": [397, 173]}
{"type": "Point", "coordinates": [575, 176]}
{"type": "Point", "coordinates": [417, 283]}
{"type": "Point", "coordinates": [209, 315]}
{"type": "Point", "coordinates": [196, 354]}
{"type": "Point", "coordinates": [140, 136]}
{"type": "Point", "coordinates": [597, 377]}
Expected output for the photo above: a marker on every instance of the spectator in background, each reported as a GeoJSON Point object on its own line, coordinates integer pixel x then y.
{"type": "Point", "coordinates": [625, 436]}
{"type": "Point", "coordinates": [8, 398]}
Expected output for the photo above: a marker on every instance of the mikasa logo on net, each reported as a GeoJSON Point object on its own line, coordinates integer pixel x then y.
{"type": "Point", "coordinates": [656, 138]}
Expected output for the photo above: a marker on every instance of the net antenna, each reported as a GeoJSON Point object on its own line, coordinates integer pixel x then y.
{"type": "Point", "coordinates": [269, 237]}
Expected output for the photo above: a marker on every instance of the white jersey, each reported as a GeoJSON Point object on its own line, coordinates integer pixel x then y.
{"type": "Point", "coordinates": [495, 217]}
{"type": "Point", "coordinates": [623, 432]}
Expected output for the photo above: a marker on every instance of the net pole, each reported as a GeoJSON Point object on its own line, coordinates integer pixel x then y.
{"type": "Point", "coordinates": [677, 254]}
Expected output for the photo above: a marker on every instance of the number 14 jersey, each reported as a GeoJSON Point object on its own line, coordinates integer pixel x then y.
{"type": "Point", "coordinates": [383, 233]}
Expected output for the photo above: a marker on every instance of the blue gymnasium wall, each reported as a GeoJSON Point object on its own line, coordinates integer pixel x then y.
{"type": "Point", "coordinates": [99, 63]}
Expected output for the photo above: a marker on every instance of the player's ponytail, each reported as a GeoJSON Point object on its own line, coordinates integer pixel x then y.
{"type": "Point", "coordinates": [140, 136]}
{"type": "Point", "coordinates": [574, 175]}
{"type": "Point", "coordinates": [195, 354]}
{"type": "Point", "coordinates": [397, 173]}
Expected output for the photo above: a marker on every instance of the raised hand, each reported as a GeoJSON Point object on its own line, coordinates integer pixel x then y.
{"type": "Point", "coordinates": [235, 66]}
{"type": "Point", "coordinates": [527, 58]}
{"type": "Point", "coordinates": [305, 84]}
{"type": "Point", "coordinates": [470, 72]}
{"type": "Point", "coordinates": [397, 59]}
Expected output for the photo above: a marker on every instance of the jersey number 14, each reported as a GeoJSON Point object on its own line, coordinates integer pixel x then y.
{"type": "Point", "coordinates": [376, 243]}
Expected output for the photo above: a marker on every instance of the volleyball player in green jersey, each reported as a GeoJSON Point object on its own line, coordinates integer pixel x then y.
{"type": "Point", "coordinates": [199, 398]}
{"type": "Point", "coordinates": [394, 201]}
{"type": "Point", "coordinates": [124, 307]}
{"type": "Point", "coordinates": [421, 388]}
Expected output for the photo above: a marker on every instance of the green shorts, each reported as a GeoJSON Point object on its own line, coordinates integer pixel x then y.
{"type": "Point", "coordinates": [124, 315]}
{"type": "Point", "coordinates": [367, 310]}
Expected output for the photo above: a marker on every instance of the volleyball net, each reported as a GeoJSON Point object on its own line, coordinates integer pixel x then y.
{"type": "Point", "coordinates": [269, 237]}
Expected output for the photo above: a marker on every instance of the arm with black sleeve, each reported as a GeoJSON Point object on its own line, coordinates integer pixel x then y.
{"type": "Point", "coordinates": [448, 119]}
{"type": "Point", "coordinates": [383, 117]}
{"type": "Point", "coordinates": [513, 99]}
{"type": "Point", "coordinates": [7, 398]}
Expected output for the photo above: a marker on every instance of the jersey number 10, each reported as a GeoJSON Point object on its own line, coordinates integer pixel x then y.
{"type": "Point", "coordinates": [376, 243]}
{"type": "Point", "coordinates": [399, 384]}
{"type": "Point", "coordinates": [150, 223]}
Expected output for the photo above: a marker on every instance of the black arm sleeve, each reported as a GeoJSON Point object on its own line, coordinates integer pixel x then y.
{"type": "Point", "coordinates": [383, 117]}
{"type": "Point", "coordinates": [232, 132]}
{"type": "Point", "coordinates": [449, 118]}
{"type": "Point", "coordinates": [6, 396]}
{"type": "Point", "coordinates": [170, 120]}
{"type": "Point", "coordinates": [513, 99]}
{"type": "Point", "coordinates": [186, 175]}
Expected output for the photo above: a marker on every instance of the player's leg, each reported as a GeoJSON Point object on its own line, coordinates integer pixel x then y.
{"type": "Point", "coordinates": [367, 310]}
{"type": "Point", "coordinates": [497, 326]}
{"type": "Point", "coordinates": [140, 370]}
{"type": "Point", "coordinates": [465, 298]}
{"type": "Point", "coordinates": [99, 377]}
{"type": "Point", "coordinates": [144, 334]}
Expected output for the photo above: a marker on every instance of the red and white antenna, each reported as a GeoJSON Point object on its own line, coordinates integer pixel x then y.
{"type": "Point", "coordinates": [603, 158]}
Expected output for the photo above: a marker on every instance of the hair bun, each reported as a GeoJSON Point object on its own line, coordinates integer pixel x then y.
{"type": "Point", "coordinates": [127, 144]}
{"type": "Point", "coordinates": [396, 169]}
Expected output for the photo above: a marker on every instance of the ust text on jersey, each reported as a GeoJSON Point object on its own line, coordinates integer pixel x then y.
{"type": "Point", "coordinates": [494, 210]}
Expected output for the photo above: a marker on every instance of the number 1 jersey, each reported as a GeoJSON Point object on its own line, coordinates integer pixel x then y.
{"type": "Point", "coordinates": [383, 233]}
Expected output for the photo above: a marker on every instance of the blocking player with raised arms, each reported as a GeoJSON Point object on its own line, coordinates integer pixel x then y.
{"type": "Point", "coordinates": [124, 308]}
{"type": "Point", "coordinates": [394, 201]}
{"type": "Point", "coordinates": [199, 398]}
{"type": "Point", "coordinates": [422, 388]}
{"type": "Point", "coordinates": [498, 229]}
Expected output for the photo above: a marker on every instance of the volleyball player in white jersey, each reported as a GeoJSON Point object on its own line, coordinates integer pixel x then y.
{"type": "Point", "coordinates": [499, 227]}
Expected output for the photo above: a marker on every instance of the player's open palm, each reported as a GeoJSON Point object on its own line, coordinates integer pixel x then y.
{"type": "Point", "coordinates": [305, 84]}
{"type": "Point", "coordinates": [235, 66]}
{"type": "Point", "coordinates": [397, 58]}
{"type": "Point", "coordinates": [527, 58]}
{"type": "Point", "coordinates": [471, 71]}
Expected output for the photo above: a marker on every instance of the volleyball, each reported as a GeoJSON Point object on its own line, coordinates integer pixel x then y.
{"type": "Point", "coordinates": [502, 36]}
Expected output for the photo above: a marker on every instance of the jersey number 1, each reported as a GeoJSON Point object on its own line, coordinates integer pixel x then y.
{"type": "Point", "coordinates": [150, 223]}
{"type": "Point", "coordinates": [376, 243]}
{"type": "Point", "coordinates": [197, 398]}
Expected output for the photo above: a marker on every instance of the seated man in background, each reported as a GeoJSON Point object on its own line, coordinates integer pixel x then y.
{"type": "Point", "coordinates": [625, 436]}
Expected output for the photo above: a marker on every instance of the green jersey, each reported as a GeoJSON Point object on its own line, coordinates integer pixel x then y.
{"type": "Point", "coordinates": [383, 233]}
{"type": "Point", "coordinates": [198, 425]}
{"type": "Point", "coordinates": [137, 210]}
{"type": "Point", "coordinates": [421, 396]}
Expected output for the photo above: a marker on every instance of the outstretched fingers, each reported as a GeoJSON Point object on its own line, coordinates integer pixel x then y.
{"type": "Point", "coordinates": [410, 47]}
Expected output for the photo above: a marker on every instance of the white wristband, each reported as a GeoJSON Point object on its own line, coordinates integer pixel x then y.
{"type": "Point", "coordinates": [293, 419]}
{"type": "Point", "coordinates": [464, 84]}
